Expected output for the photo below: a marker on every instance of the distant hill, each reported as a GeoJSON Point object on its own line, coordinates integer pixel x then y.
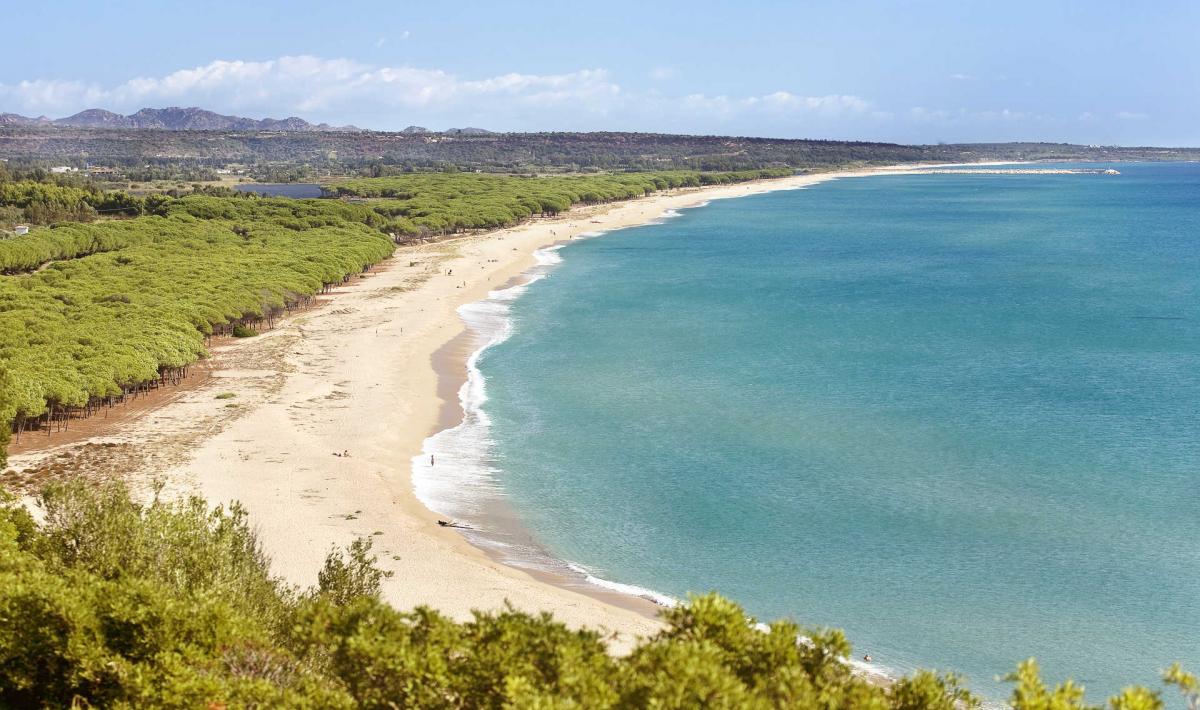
{"type": "Point", "coordinates": [97, 118]}
{"type": "Point", "coordinates": [172, 118]}
{"type": "Point", "coordinates": [110, 141]}
{"type": "Point", "coordinates": [13, 119]}
{"type": "Point", "coordinates": [175, 118]}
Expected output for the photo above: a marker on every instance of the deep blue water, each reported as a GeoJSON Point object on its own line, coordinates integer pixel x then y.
{"type": "Point", "coordinates": [957, 416]}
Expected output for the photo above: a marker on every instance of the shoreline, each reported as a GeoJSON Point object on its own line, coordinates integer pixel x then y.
{"type": "Point", "coordinates": [500, 528]}
{"type": "Point", "coordinates": [362, 375]}
{"type": "Point", "coordinates": [451, 364]}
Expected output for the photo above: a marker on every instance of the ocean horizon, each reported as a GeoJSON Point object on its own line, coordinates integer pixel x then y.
{"type": "Point", "coordinates": [954, 415]}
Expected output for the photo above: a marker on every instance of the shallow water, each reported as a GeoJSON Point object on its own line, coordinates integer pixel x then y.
{"type": "Point", "coordinates": [957, 416]}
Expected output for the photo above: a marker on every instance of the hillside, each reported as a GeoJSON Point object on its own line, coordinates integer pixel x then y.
{"type": "Point", "coordinates": [122, 146]}
{"type": "Point", "coordinates": [173, 118]}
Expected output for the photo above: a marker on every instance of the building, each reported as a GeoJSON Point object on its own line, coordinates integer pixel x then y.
{"type": "Point", "coordinates": [22, 229]}
{"type": "Point", "coordinates": [63, 169]}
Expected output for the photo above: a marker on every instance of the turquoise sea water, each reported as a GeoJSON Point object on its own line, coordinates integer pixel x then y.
{"type": "Point", "coordinates": [957, 416]}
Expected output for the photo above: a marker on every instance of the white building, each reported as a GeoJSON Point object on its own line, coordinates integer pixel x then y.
{"type": "Point", "coordinates": [21, 229]}
{"type": "Point", "coordinates": [63, 169]}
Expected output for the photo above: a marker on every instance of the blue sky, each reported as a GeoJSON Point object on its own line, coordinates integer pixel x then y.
{"type": "Point", "coordinates": [1088, 72]}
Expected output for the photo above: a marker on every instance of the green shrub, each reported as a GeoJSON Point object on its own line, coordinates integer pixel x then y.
{"type": "Point", "coordinates": [243, 331]}
{"type": "Point", "coordinates": [109, 603]}
{"type": "Point", "coordinates": [352, 575]}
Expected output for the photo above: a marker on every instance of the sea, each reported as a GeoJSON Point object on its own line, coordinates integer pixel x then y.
{"type": "Point", "coordinates": [956, 416]}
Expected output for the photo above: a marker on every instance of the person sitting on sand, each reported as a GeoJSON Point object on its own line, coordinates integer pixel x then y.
{"type": "Point", "coordinates": [867, 657]}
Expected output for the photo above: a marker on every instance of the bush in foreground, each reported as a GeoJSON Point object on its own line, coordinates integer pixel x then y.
{"type": "Point", "coordinates": [108, 603]}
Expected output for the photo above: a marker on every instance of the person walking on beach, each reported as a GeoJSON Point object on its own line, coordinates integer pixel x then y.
{"type": "Point", "coordinates": [431, 459]}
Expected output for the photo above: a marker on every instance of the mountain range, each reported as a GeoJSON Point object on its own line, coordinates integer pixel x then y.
{"type": "Point", "coordinates": [173, 118]}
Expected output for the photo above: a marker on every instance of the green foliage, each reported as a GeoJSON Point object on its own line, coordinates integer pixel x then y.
{"type": "Point", "coordinates": [43, 202]}
{"type": "Point", "coordinates": [69, 241]}
{"type": "Point", "coordinates": [1030, 692]}
{"type": "Point", "coordinates": [120, 302]}
{"type": "Point", "coordinates": [930, 691]}
{"type": "Point", "coordinates": [181, 546]}
{"type": "Point", "coordinates": [241, 330]}
{"type": "Point", "coordinates": [346, 577]}
{"type": "Point", "coordinates": [711, 655]}
{"type": "Point", "coordinates": [7, 410]}
{"type": "Point", "coordinates": [1187, 684]}
{"type": "Point", "coordinates": [110, 603]}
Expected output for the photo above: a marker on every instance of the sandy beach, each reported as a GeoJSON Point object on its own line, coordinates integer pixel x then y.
{"type": "Point", "coordinates": [372, 373]}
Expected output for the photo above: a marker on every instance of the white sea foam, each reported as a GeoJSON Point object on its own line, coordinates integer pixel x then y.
{"type": "Point", "coordinates": [455, 474]}
{"type": "Point", "coordinates": [629, 589]}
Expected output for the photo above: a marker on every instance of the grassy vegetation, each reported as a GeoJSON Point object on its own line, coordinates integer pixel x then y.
{"type": "Point", "coordinates": [107, 603]}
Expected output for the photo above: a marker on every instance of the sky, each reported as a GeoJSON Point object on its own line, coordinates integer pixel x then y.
{"type": "Point", "coordinates": [1095, 72]}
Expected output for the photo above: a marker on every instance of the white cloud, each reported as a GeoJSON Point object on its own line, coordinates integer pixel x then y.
{"type": "Point", "coordinates": [777, 103]}
{"type": "Point", "coordinates": [1006, 115]}
{"type": "Point", "coordinates": [344, 90]}
{"type": "Point", "coordinates": [49, 96]}
{"type": "Point", "coordinates": [926, 115]}
{"type": "Point", "coordinates": [920, 114]}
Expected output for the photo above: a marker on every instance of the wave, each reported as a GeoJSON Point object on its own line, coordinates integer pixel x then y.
{"type": "Point", "coordinates": [454, 473]}
{"type": "Point", "coordinates": [664, 600]}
